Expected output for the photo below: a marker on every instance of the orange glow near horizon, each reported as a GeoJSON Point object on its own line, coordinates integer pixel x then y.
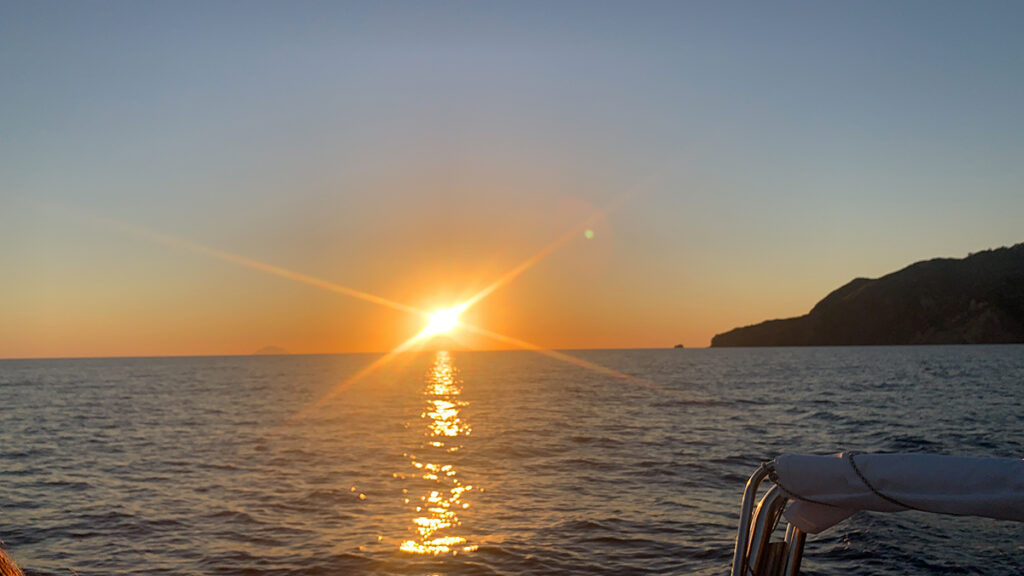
{"type": "Point", "coordinates": [155, 309]}
{"type": "Point", "coordinates": [440, 322]}
{"type": "Point", "coordinates": [445, 320]}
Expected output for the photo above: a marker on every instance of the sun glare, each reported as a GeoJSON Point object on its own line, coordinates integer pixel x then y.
{"type": "Point", "coordinates": [443, 321]}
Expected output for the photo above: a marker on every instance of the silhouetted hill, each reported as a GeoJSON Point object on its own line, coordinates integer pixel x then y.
{"type": "Point", "coordinates": [974, 300]}
{"type": "Point", "coordinates": [270, 351]}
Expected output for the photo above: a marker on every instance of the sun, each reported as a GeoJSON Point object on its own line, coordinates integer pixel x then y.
{"type": "Point", "coordinates": [442, 321]}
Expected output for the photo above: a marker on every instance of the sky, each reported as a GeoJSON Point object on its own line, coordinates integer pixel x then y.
{"type": "Point", "coordinates": [172, 175]}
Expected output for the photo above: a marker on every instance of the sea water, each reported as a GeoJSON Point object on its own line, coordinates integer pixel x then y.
{"type": "Point", "coordinates": [608, 462]}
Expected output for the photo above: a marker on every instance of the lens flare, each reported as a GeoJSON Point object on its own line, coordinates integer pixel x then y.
{"type": "Point", "coordinates": [443, 321]}
{"type": "Point", "coordinates": [440, 322]}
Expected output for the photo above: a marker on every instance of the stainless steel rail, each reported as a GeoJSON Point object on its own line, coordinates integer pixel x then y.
{"type": "Point", "coordinates": [755, 554]}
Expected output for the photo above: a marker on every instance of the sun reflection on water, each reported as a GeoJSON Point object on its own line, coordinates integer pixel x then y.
{"type": "Point", "coordinates": [436, 519]}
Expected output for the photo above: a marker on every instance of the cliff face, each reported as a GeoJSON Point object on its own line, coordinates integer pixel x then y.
{"type": "Point", "coordinates": [975, 300]}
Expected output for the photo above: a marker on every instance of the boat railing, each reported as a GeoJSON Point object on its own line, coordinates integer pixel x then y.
{"type": "Point", "coordinates": [817, 492]}
{"type": "Point", "coordinates": [755, 553]}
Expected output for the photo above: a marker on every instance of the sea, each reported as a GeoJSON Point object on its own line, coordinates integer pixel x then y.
{"type": "Point", "coordinates": [481, 463]}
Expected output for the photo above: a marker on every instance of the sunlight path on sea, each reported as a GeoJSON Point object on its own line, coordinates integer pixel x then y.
{"type": "Point", "coordinates": [435, 519]}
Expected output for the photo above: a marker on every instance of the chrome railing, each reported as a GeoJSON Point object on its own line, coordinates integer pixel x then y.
{"type": "Point", "coordinates": [755, 553]}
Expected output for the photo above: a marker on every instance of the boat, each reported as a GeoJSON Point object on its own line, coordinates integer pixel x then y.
{"type": "Point", "coordinates": [814, 493]}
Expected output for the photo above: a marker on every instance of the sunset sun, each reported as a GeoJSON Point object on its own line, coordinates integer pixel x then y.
{"type": "Point", "coordinates": [442, 321]}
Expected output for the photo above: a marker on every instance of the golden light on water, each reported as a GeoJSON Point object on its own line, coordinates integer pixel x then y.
{"type": "Point", "coordinates": [436, 517]}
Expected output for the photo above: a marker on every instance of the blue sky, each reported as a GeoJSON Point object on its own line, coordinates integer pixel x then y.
{"type": "Point", "coordinates": [777, 150]}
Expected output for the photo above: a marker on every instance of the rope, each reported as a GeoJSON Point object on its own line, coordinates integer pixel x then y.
{"type": "Point", "coordinates": [774, 477]}
{"type": "Point", "coordinates": [850, 456]}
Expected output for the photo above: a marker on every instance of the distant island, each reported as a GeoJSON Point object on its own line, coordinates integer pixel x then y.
{"type": "Point", "coordinates": [270, 351]}
{"type": "Point", "coordinates": [974, 300]}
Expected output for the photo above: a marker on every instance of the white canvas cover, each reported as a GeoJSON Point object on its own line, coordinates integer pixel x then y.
{"type": "Point", "coordinates": [829, 489]}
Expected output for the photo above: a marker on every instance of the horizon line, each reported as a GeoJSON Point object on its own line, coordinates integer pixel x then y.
{"type": "Point", "coordinates": [243, 355]}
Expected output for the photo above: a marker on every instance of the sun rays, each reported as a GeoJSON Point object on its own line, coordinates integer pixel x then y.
{"type": "Point", "coordinates": [440, 322]}
{"type": "Point", "coordinates": [445, 320]}
{"type": "Point", "coordinates": [223, 255]}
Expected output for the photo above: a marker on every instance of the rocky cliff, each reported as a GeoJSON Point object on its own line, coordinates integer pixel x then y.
{"type": "Point", "coordinates": [974, 300]}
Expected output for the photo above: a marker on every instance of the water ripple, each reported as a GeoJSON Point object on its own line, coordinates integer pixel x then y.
{"type": "Point", "coordinates": [492, 463]}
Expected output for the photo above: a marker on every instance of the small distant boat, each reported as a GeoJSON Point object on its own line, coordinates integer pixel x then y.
{"type": "Point", "coordinates": [816, 492]}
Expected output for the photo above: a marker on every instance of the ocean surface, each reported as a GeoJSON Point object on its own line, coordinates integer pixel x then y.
{"type": "Point", "coordinates": [481, 462]}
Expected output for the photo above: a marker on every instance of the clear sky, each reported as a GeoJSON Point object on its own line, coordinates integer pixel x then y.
{"type": "Point", "coordinates": [743, 159]}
